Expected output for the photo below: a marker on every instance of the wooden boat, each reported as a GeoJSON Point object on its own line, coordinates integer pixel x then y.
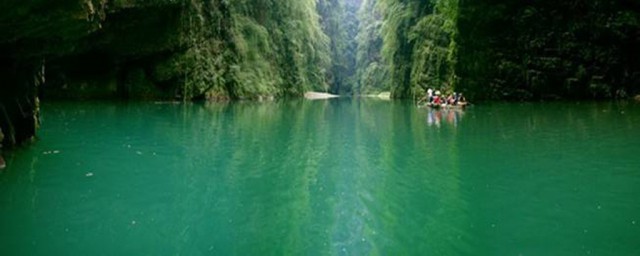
{"type": "Point", "coordinates": [444, 106]}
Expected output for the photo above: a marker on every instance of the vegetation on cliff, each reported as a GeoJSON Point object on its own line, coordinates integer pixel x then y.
{"type": "Point", "coordinates": [170, 49]}
{"type": "Point", "coordinates": [256, 48]}
{"type": "Point", "coordinates": [340, 24]}
{"type": "Point", "coordinates": [159, 49]}
{"type": "Point", "coordinates": [419, 44]}
{"type": "Point", "coordinates": [549, 49]}
{"type": "Point", "coordinates": [215, 49]}
{"type": "Point", "coordinates": [512, 50]}
{"type": "Point", "coordinates": [241, 49]}
{"type": "Point", "coordinates": [372, 73]}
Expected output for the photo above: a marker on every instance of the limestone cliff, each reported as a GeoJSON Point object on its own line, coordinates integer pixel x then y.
{"type": "Point", "coordinates": [153, 49]}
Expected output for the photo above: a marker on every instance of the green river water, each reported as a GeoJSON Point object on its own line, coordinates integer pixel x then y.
{"type": "Point", "coordinates": [338, 177]}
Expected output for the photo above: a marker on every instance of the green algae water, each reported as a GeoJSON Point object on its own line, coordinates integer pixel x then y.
{"type": "Point", "coordinates": [338, 177]}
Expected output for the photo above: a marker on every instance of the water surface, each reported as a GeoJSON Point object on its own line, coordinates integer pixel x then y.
{"type": "Point", "coordinates": [338, 177]}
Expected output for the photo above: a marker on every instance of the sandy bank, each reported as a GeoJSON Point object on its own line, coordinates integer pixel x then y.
{"type": "Point", "coordinates": [383, 95]}
{"type": "Point", "coordinates": [319, 96]}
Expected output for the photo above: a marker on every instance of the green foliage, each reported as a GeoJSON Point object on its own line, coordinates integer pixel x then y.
{"type": "Point", "coordinates": [567, 49]}
{"type": "Point", "coordinates": [207, 61]}
{"type": "Point", "coordinates": [550, 49]}
{"type": "Point", "coordinates": [372, 71]}
{"type": "Point", "coordinates": [239, 49]}
{"type": "Point", "coordinates": [419, 44]}
{"type": "Point", "coordinates": [434, 54]}
{"type": "Point", "coordinates": [340, 24]}
{"type": "Point", "coordinates": [258, 48]}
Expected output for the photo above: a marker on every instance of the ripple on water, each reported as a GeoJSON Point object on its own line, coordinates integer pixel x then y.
{"type": "Point", "coordinates": [342, 177]}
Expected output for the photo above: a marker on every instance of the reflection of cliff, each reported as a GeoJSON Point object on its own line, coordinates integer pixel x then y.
{"type": "Point", "coordinates": [155, 49]}
{"type": "Point", "coordinates": [263, 160]}
{"type": "Point", "coordinates": [539, 172]}
{"type": "Point", "coordinates": [413, 191]}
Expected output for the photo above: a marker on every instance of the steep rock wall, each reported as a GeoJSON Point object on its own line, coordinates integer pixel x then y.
{"type": "Point", "coordinates": [155, 49]}
{"type": "Point", "coordinates": [549, 49]}
{"type": "Point", "coordinates": [80, 49]}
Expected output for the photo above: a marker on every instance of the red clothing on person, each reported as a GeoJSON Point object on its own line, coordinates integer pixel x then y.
{"type": "Point", "coordinates": [437, 100]}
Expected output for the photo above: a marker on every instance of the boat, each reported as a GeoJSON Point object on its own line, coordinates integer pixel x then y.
{"type": "Point", "coordinates": [444, 106]}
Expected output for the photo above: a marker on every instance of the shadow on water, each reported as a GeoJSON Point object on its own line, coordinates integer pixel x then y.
{"type": "Point", "coordinates": [558, 174]}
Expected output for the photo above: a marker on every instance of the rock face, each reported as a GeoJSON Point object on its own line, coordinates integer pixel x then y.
{"type": "Point", "coordinates": [94, 48]}
{"type": "Point", "coordinates": [18, 101]}
{"type": "Point", "coordinates": [154, 49]}
{"type": "Point", "coordinates": [550, 49]}
{"type": "Point", "coordinates": [499, 49]}
{"type": "Point", "coordinates": [90, 49]}
{"type": "Point", "coordinates": [83, 48]}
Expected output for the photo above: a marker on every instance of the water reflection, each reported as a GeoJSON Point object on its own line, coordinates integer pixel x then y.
{"type": "Point", "coordinates": [412, 184]}
{"type": "Point", "coordinates": [449, 116]}
{"type": "Point", "coordinates": [539, 172]}
{"type": "Point", "coordinates": [337, 177]}
{"type": "Point", "coordinates": [333, 176]}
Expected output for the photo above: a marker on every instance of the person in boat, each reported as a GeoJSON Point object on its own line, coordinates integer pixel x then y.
{"type": "Point", "coordinates": [451, 99]}
{"type": "Point", "coordinates": [437, 100]}
{"type": "Point", "coordinates": [462, 100]}
{"type": "Point", "coordinates": [427, 97]}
